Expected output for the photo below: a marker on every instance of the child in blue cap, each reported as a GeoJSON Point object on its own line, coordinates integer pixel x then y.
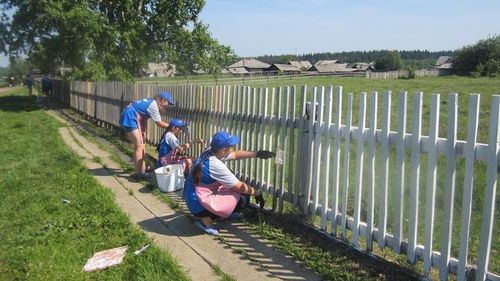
{"type": "Point", "coordinates": [133, 120]}
{"type": "Point", "coordinates": [211, 190]}
{"type": "Point", "coordinates": [170, 151]}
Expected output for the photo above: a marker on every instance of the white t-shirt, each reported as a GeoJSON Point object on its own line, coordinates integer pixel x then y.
{"type": "Point", "coordinates": [154, 111]}
{"type": "Point", "coordinates": [221, 173]}
{"type": "Point", "coordinates": [171, 140]}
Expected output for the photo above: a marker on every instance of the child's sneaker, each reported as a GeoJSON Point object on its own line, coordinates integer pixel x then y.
{"type": "Point", "coordinates": [207, 229]}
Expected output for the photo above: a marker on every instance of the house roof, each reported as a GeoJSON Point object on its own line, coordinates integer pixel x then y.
{"type": "Point", "coordinates": [285, 67]}
{"type": "Point", "coordinates": [301, 64]}
{"type": "Point", "coordinates": [442, 60]}
{"type": "Point", "coordinates": [447, 65]}
{"type": "Point", "coordinates": [160, 69]}
{"type": "Point", "coordinates": [361, 66]}
{"type": "Point", "coordinates": [249, 63]}
{"type": "Point", "coordinates": [336, 67]}
{"type": "Point", "coordinates": [237, 70]}
{"type": "Point", "coordinates": [326, 62]}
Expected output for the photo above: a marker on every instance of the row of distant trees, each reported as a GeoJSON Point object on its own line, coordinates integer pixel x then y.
{"type": "Point", "coordinates": [412, 57]}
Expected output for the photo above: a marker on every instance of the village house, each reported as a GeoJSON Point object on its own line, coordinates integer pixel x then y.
{"type": "Point", "coordinates": [303, 64]}
{"type": "Point", "coordinates": [248, 65]}
{"type": "Point", "coordinates": [161, 69]}
{"type": "Point", "coordinates": [444, 62]}
{"type": "Point", "coordinates": [284, 68]}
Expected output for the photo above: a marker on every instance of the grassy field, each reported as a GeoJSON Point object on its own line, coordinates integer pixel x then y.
{"type": "Point", "coordinates": [45, 238]}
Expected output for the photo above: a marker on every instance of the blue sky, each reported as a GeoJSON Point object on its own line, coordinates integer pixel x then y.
{"type": "Point", "coordinates": [258, 27]}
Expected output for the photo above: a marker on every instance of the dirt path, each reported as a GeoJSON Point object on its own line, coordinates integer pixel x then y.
{"type": "Point", "coordinates": [242, 255]}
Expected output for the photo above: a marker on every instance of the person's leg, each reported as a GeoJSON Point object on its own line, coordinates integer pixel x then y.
{"type": "Point", "coordinates": [138, 157]}
{"type": "Point", "coordinates": [205, 222]}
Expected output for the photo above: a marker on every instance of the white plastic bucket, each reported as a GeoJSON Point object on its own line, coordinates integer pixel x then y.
{"type": "Point", "coordinates": [170, 178]}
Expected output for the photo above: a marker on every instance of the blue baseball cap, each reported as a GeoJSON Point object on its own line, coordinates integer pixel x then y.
{"type": "Point", "coordinates": [167, 96]}
{"type": "Point", "coordinates": [223, 139]}
{"type": "Point", "coordinates": [177, 123]}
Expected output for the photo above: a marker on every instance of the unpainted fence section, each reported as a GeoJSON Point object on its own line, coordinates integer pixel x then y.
{"type": "Point", "coordinates": [396, 74]}
{"type": "Point", "coordinates": [345, 163]}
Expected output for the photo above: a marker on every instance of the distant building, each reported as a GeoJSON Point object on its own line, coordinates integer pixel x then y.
{"type": "Point", "coordinates": [236, 70]}
{"type": "Point", "coordinates": [444, 62]}
{"type": "Point", "coordinates": [284, 68]}
{"type": "Point", "coordinates": [326, 62]}
{"type": "Point", "coordinates": [331, 68]}
{"type": "Point", "coordinates": [250, 65]}
{"type": "Point", "coordinates": [161, 69]}
{"type": "Point", "coordinates": [362, 66]}
{"type": "Point", "coordinates": [303, 64]}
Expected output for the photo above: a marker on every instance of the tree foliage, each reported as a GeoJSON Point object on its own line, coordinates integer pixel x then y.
{"type": "Point", "coordinates": [391, 61]}
{"type": "Point", "coordinates": [18, 68]}
{"type": "Point", "coordinates": [480, 59]}
{"type": "Point", "coordinates": [109, 40]}
{"type": "Point", "coordinates": [417, 58]}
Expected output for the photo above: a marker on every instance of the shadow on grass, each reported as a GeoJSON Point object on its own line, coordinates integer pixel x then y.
{"type": "Point", "coordinates": [18, 103]}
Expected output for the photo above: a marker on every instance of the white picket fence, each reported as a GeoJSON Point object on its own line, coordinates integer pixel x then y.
{"type": "Point", "coordinates": [360, 179]}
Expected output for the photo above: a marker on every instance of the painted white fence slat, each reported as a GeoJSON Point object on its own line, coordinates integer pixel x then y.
{"type": "Point", "coordinates": [259, 135]}
{"type": "Point", "coordinates": [301, 155]}
{"type": "Point", "coordinates": [359, 168]}
{"type": "Point", "coordinates": [490, 190]}
{"type": "Point", "coordinates": [254, 133]}
{"type": "Point", "coordinates": [400, 173]}
{"type": "Point", "coordinates": [284, 137]}
{"type": "Point", "coordinates": [326, 159]}
{"type": "Point", "coordinates": [431, 183]}
{"type": "Point", "coordinates": [371, 136]}
{"type": "Point", "coordinates": [271, 139]}
{"type": "Point", "coordinates": [336, 159]}
{"type": "Point", "coordinates": [292, 149]}
{"type": "Point", "coordinates": [384, 181]}
{"type": "Point", "coordinates": [276, 146]}
{"type": "Point", "coordinates": [415, 177]}
{"type": "Point", "coordinates": [468, 185]}
{"type": "Point", "coordinates": [310, 154]}
{"type": "Point", "coordinates": [449, 187]}
{"type": "Point", "coordinates": [345, 184]}
{"type": "Point", "coordinates": [266, 166]}
{"type": "Point", "coordinates": [319, 132]}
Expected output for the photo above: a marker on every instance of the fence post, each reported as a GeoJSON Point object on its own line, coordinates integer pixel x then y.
{"type": "Point", "coordinates": [336, 158]}
{"type": "Point", "coordinates": [490, 190]}
{"type": "Point", "coordinates": [386, 128]}
{"type": "Point", "coordinates": [359, 169]}
{"type": "Point", "coordinates": [431, 182]}
{"type": "Point", "coordinates": [468, 185]}
{"type": "Point", "coordinates": [415, 177]}
{"type": "Point", "coordinates": [345, 185]}
{"type": "Point", "coordinates": [449, 185]}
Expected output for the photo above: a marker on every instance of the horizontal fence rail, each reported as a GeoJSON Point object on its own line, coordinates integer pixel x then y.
{"type": "Point", "coordinates": [386, 170]}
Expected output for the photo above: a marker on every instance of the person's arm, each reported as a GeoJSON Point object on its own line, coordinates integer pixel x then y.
{"type": "Point", "coordinates": [243, 154]}
{"type": "Point", "coordinates": [244, 188]}
{"type": "Point", "coordinates": [161, 124]}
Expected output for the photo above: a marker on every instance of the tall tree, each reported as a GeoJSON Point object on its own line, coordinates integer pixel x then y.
{"type": "Point", "coordinates": [108, 40]}
{"type": "Point", "coordinates": [391, 61]}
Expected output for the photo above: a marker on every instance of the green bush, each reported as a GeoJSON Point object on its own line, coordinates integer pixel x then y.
{"type": "Point", "coordinates": [482, 58]}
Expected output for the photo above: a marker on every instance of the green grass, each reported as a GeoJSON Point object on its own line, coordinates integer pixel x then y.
{"type": "Point", "coordinates": [44, 238]}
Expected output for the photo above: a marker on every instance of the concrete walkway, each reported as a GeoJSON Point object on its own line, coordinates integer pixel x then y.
{"type": "Point", "coordinates": [239, 252]}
